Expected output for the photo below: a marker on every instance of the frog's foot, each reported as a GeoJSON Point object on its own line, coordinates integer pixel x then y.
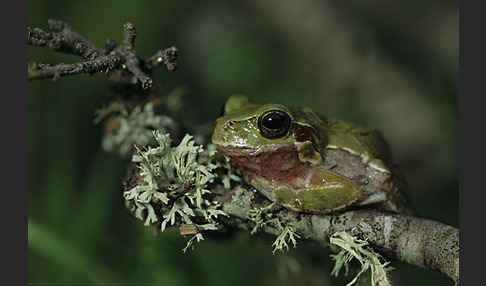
{"type": "Point", "coordinates": [327, 198]}
{"type": "Point", "coordinates": [322, 193]}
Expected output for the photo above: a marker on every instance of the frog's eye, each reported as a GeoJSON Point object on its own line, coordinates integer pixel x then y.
{"type": "Point", "coordinates": [274, 124]}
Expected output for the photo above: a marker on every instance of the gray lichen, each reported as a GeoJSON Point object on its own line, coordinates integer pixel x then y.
{"type": "Point", "coordinates": [351, 248]}
{"type": "Point", "coordinates": [287, 234]}
{"type": "Point", "coordinates": [263, 217]}
{"type": "Point", "coordinates": [174, 186]}
{"type": "Point", "coordinates": [134, 128]}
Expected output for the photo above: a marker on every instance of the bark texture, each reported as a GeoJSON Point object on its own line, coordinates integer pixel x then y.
{"type": "Point", "coordinates": [422, 242]}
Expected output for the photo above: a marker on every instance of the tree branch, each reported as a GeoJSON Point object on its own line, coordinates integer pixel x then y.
{"type": "Point", "coordinates": [127, 49]}
{"type": "Point", "coordinates": [99, 64]}
{"type": "Point", "coordinates": [62, 38]}
{"type": "Point", "coordinates": [425, 243]}
{"type": "Point", "coordinates": [167, 57]}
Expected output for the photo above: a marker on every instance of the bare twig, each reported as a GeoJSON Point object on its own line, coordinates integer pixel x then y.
{"type": "Point", "coordinates": [127, 49]}
{"type": "Point", "coordinates": [62, 38]}
{"type": "Point", "coordinates": [167, 57]}
{"type": "Point", "coordinates": [103, 63]}
{"type": "Point", "coordinates": [79, 44]}
{"type": "Point", "coordinates": [110, 45]}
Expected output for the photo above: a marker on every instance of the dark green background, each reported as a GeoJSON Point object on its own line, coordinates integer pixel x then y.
{"type": "Point", "coordinates": [386, 64]}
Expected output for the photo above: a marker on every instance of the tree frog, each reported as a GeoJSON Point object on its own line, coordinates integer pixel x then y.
{"type": "Point", "coordinates": [305, 162]}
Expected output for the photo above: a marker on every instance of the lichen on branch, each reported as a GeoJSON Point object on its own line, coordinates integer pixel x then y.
{"type": "Point", "coordinates": [418, 241]}
{"type": "Point", "coordinates": [173, 186]}
{"type": "Point", "coordinates": [124, 128]}
{"type": "Point", "coordinates": [352, 247]}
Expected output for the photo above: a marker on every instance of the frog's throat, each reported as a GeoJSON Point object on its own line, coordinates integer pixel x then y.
{"type": "Point", "coordinates": [281, 164]}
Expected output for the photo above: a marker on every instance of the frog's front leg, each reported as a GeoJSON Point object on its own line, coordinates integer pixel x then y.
{"type": "Point", "coordinates": [322, 192]}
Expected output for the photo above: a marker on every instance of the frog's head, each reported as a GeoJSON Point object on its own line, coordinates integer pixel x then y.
{"type": "Point", "coordinates": [247, 128]}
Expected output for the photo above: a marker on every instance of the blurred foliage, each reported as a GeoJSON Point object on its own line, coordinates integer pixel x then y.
{"type": "Point", "coordinates": [387, 64]}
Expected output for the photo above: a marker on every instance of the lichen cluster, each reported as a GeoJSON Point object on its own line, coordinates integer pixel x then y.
{"type": "Point", "coordinates": [174, 186]}
{"type": "Point", "coordinates": [133, 128]}
{"type": "Point", "coordinates": [354, 248]}
{"type": "Point", "coordinates": [264, 217]}
{"type": "Point", "coordinates": [287, 234]}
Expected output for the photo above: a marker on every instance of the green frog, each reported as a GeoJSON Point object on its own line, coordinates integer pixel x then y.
{"type": "Point", "coordinates": [308, 163]}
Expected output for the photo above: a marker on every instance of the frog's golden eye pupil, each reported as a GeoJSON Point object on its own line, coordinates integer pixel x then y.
{"type": "Point", "coordinates": [274, 124]}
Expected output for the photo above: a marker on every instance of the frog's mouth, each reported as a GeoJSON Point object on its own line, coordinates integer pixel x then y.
{"type": "Point", "coordinates": [234, 151]}
{"type": "Point", "coordinates": [281, 163]}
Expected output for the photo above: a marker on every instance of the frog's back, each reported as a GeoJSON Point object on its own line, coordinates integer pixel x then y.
{"type": "Point", "coordinates": [364, 156]}
{"type": "Point", "coordinates": [368, 143]}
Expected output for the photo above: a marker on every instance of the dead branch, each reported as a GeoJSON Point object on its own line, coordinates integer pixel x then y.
{"type": "Point", "coordinates": [122, 58]}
